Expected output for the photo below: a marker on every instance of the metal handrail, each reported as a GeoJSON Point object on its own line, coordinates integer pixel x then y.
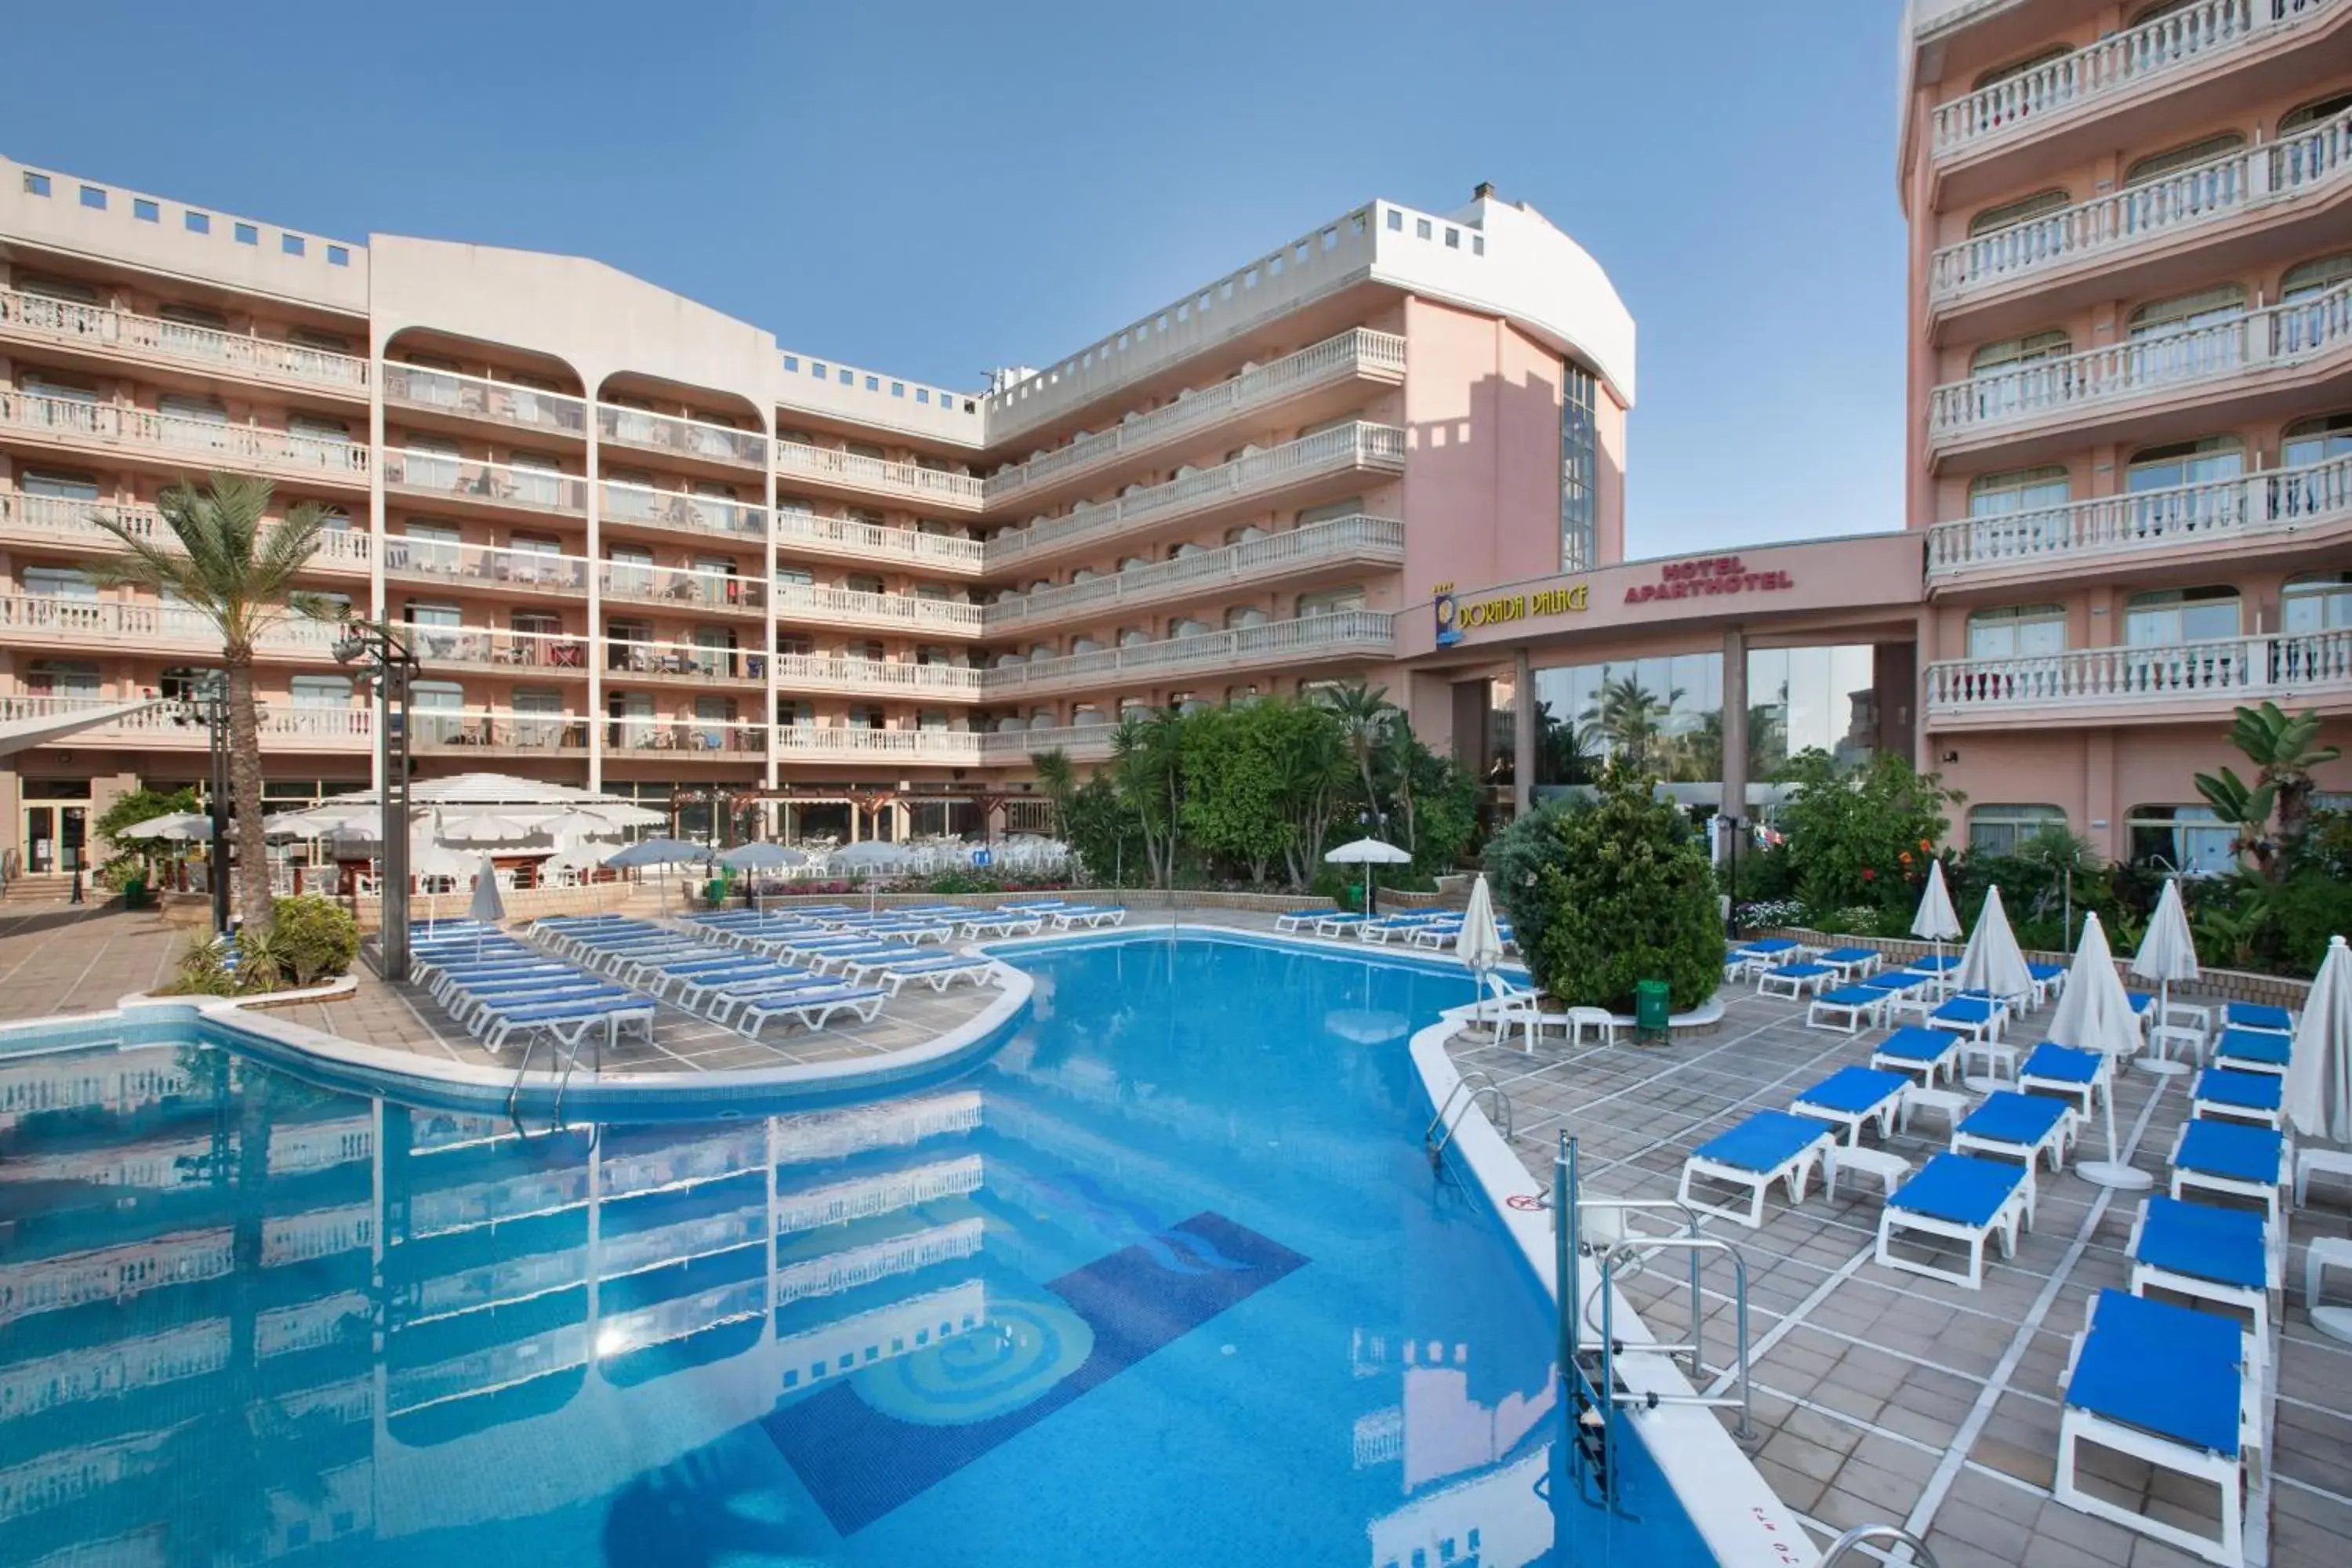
{"type": "Point", "coordinates": [1746, 1430]}
{"type": "Point", "coordinates": [1476, 1082]}
{"type": "Point", "coordinates": [1691, 1227]}
{"type": "Point", "coordinates": [1892, 1532]}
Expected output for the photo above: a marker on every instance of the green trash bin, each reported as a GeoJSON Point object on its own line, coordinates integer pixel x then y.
{"type": "Point", "coordinates": [1653, 1004]}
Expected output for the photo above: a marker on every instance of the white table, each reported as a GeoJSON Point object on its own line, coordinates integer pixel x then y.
{"type": "Point", "coordinates": [1890, 1169]}
{"type": "Point", "coordinates": [2328, 1252]}
{"type": "Point", "coordinates": [2309, 1162]}
{"type": "Point", "coordinates": [1951, 1103]}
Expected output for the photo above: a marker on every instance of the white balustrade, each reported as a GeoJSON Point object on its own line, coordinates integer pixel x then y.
{"type": "Point", "coordinates": [2277, 501]}
{"type": "Point", "coordinates": [875, 676]}
{"type": "Point", "coordinates": [695, 663]}
{"type": "Point", "coordinates": [2286, 668]}
{"type": "Point", "coordinates": [668, 433]}
{"type": "Point", "coordinates": [215, 442]}
{"type": "Point", "coordinates": [850, 606]}
{"type": "Point", "coordinates": [441, 561]}
{"type": "Point", "coordinates": [67, 519]}
{"type": "Point", "coordinates": [1368, 633]}
{"type": "Point", "coordinates": [495, 730]}
{"type": "Point", "coordinates": [72, 324]}
{"type": "Point", "coordinates": [171, 722]}
{"type": "Point", "coordinates": [2042, 390]}
{"type": "Point", "coordinates": [1079, 743]}
{"type": "Point", "coordinates": [624, 503]}
{"type": "Point", "coordinates": [854, 743]}
{"type": "Point", "coordinates": [683, 586]}
{"type": "Point", "coordinates": [1353, 538]}
{"type": "Point", "coordinates": [686, 733]}
{"type": "Point", "coordinates": [440, 475]}
{"type": "Point", "coordinates": [1358, 351]}
{"type": "Point", "coordinates": [489, 647]}
{"type": "Point", "coordinates": [478, 397]}
{"type": "Point", "coordinates": [2308, 162]}
{"type": "Point", "coordinates": [913, 480]}
{"type": "Point", "coordinates": [82, 620]}
{"type": "Point", "coordinates": [2026, 103]}
{"type": "Point", "coordinates": [1355, 444]}
{"type": "Point", "coordinates": [873, 541]}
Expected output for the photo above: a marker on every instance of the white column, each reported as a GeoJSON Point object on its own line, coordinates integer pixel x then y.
{"type": "Point", "coordinates": [595, 598]}
{"type": "Point", "coordinates": [768, 621]}
{"type": "Point", "coordinates": [378, 608]}
{"type": "Point", "coordinates": [1523, 734]}
{"type": "Point", "coordinates": [1735, 724]}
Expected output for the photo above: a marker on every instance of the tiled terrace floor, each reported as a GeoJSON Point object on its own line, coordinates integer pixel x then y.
{"type": "Point", "coordinates": [1883, 1396]}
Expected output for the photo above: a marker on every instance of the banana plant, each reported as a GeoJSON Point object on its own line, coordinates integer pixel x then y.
{"type": "Point", "coordinates": [2246, 808]}
{"type": "Point", "coordinates": [2281, 747]}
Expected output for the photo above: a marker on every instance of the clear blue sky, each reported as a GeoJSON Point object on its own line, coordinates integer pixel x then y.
{"type": "Point", "coordinates": [933, 189]}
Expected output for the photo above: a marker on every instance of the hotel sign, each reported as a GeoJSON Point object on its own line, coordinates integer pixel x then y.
{"type": "Point", "coordinates": [1455, 618]}
{"type": "Point", "coordinates": [1708, 576]}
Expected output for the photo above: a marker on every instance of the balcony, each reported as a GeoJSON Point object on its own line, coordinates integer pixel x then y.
{"type": "Point", "coordinates": [483, 647]}
{"type": "Point", "coordinates": [2097, 235]}
{"type": "Point", "coordinates": [817, 535]}
{"type": "Point", "coordinates": [478, 397]}
{"type": "Point", "coordinates": [684, 512]}
{"type": "Point", "coordinates": [1356, 355]}
{"type": "Point", "coordinates": [2272, 507]}
{"type": "Point", "coordinates": [672, 437]}
{"type": "Point", "coordinates": [831, 467]}
{"type": "Point", "coordinates": [440, 477]}
{"type": "Point", "coordinates": [2191, 683]}
{"type": "Point", "coordinates": [180, 442]}
{"type": "Point", "coordinates": [531, 571]}
{"type": "Point", "coordinates": [2080, 85]}
{"type": "Point", "coordinates": [852, 744]}
{"type": "Point", "coordinates": [1351, 634]}
{"type": "Point", "coordinates": [1373, 540]}
{"type": "Point", "coordinates": [2222, 358]}
{"type": "Point", "coordinates": [285, 728]}
{"type": "Point", "coordinates": [1079, 743]}
{"type": "Point", "coordinates": [692, 664]}
{"type": "Point", "coordinates": [66, 522]}
{"type": "Point", "coordinates": [888, 611]}
{"type": "Point", "coordinates": [681, 587]}
{"type": "Point", "coordinates": [63, 323]}
{"type": "Point", "coordinates": [1356, 446]}
{"type": "Point", "coordinates": [690, 736]}
{"type": "Point", "coordinates": [876, 677]}
{"type": "Point", "coordinates": [91, 625]}
{"type": "Point", "coordinates": [495, 732]}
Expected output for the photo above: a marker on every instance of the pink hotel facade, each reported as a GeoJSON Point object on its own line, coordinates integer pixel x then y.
{"type": "Point", "coordinates": [646, 547]}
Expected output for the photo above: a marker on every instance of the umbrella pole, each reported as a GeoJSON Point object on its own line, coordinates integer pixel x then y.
{"type": "Point", "coordinates": [2116, 1176]}
{"type": "Point", "coordinates": [2161, 1066]}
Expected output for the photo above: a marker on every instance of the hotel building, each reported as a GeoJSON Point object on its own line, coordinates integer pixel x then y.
{"type": "Point", "coordinates": [646, 548]}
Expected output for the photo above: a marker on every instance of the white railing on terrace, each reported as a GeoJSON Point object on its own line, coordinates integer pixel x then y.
{"type": "Point", "coordinates": [838, 672]}
{"type": "Point", "coordinates": [64, 518]}
{"type": "Point", "coordinates": [682, 661]}
{"type": "Point", "coordinates": [867, 539]}
{"type": "Point", "coordinates": [2275, 336]}
{"type": "Point", "coordinates": [2284, 666]}
{"type": "Point", "coordinates": [168, 721]}
{"type": "Point", "coordinates": [1355, 537]}
{"type": "Point", "coordinates": [625, 502]}
{"type": "Point", "coordinates": [852, 742]}
{"type": "Point", "coordinates": [488, 648]}
{"type": "Point", "coordinates": [239, 353]}
{"type": "Point", "coordinates": [1355, 444]}
{"type": "Point", "coordinates": [913, 480]}
{"type": "Point", "coordinates": [1357, 352]}
{"type": "Point", "coordinates": [683, 733]}
{"type": "Point", "coordinates": [81, 620]}
{"type": "Point", "coordinates": [668, 433]}
{"type": "Point", "coordinates": [495, 729]}
{"type": "Point", "coordinates": [432, 558]}
{"type": "Point", "coordinates": [478, 397]}
{"type": "Point", "coordinates": [690, 587]}
{"type": "Point", "coordinates": [2308, 161]}
{"type": "Point", "coordinates": [469, 478]}
{"type": "Point", "coordinates": [2278, 501]}
{"type": "Point", "coordinates": [212, 442]}
{"type": "Point", "coordinates": [1367, 632]}
{"type": "Point", "coordinates": [2196, 34]}
{"type": "Point", "coordinates": [848, 606]}
{"type": "Point", "coordinates": [1082, 741]}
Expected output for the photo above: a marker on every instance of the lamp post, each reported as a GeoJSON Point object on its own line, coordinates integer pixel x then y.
{"type": "Point", "coordinates": [392, 667]}
{"type": "Point", "coordinates": [207, 702]}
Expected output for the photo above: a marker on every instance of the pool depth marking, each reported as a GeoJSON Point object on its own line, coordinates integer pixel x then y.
{"type": "Point", "coordinates": [859, 1463]}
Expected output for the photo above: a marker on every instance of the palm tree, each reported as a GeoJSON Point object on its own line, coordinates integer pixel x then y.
{"type": "Point", "coordinates": [1626, 716]}
{"type": "Point", "coordinates": [239, 576]}
{"type": "Point", "coordinates": [1059, 780]}
{"type": "Point", "coordinates": [1365, 715]}
{"type": "Point", "coordinates": [1147, 771]}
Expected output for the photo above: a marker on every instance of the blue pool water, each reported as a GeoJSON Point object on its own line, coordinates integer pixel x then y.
{"type": "Point", "coordinates": [1165, 1278]}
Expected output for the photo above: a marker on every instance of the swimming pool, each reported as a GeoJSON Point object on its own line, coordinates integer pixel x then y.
{"type": "Point", "coordinates": [1165, 1278]}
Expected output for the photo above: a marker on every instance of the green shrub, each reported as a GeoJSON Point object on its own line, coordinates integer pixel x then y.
{"type": "Point", "coordinates": [2307, 909]}
{"type": "Point", "coordinates": [1516, 854]}
{"type": "Point", "coordinates": [202, 971]}
{"type": "Point", "coordinates": [1625, 894]}
{"type": "Point", "coordinates": [313, 939]}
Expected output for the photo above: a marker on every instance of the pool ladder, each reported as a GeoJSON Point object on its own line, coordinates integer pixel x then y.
{"type": "Point", "coordinates": [1458, 1103]}
{"type": "Point", "coordinates": [1845, 1545]}
{"type": "Point", "coordinates": [568, 1057]}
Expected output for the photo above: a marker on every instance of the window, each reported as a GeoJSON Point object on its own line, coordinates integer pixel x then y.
{"type": "Point", "coordinates": [196, 223]}
{"type": "Point", "coordinates": [2024, 210]}
{"type": "Point", "coordinates": [2157, 166]}
{"type": "Point", "coordinates": [58, 583]}
{"type": "Point", "coordinates": [2018, 631]}
{"type": "Point", "coordinates": [2187, 839]}
{"type": "Point", "coordinates": [2001, 829]}
{"type": "Point", "coordinates": [337, 256]}
{"type": "Point", "coordinates": [64, 677]}
{"type": "Point", "coordinates": [2011, 352]}
{"type": "Point", "coordinates": [59, 485]}
{"type": "Point", "coordinates": [1332, 601]}
{"type": "Point", "coordinates": [2186, 312]}
{"type": "Point", "coordinates": [2320, 440]}
{"type": "Point", "coordinates": [2020, 490]}
{"type": "Point", "coordinates": [2315, 276]}
{"type": "Point", "coordinates": [1579, 469]}
{"type": "Point", "coordinates": [1396, 220]}
{"type": "Point", "coordinates": [35, 184]}
{"type": "Point", "coordinates": [2018, 67]}
{"type": "Point", "coordinates": [1421, 228]}
{"type": "Point", "coordinates": [418, 615]}
{"type": "Point", "coordinates": [246, 234]}
{"type": "Point", "coordinates": [93, 199]}
{"type": "Point", "coordinates": [321, 691]}
{"type": "Point", "coordinates": [2317, 601]}
{"type": "Point", "coordinates": [2177, 615]}
{"type": "Point", "coordinates": [2206, 461]}
{"type": "Point", "coordinates": [145, 211]}
{"type": "Point", "coordinates": [290, 244]}
{"type": "Point", "coordinates": [2313, 112]}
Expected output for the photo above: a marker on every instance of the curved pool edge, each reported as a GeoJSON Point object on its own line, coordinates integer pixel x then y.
{"type": "Point", "coordinates": [1727, 1497]}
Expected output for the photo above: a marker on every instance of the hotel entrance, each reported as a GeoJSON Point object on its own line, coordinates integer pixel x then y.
{"type": "Point", "coordinates": [54, 836]}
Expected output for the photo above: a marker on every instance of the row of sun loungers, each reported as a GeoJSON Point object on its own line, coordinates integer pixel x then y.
{"type": "Point", "coordinates": [499, 988]}
{"type": "Point", "coordinates": [745, 989]}
{"type": "Point", "coordinates": [1434, 929]}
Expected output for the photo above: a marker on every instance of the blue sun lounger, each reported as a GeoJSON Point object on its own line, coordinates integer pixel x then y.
{"type": "Point", "coordinates": [1300, 919]}
{"type": "Point", "coordinates": [1769, 1146]}
{"type": "Point", "coordinates": [1930, 1053]}
{"type": "Point", "coordinates": [2258, 1016]}
{"type": "Point", "coordinates": [1852, 963]}
{"type": "Point", "coordinates": [2253, 1050]}
{"type": "Point", "coordinates": [569, 1022]}
{"type": "Point", "coordinates": [1000, 922]}
{"type": "Point", "coordinates": [2083, 1077]}
{"type": "Point", "coordinates": [1957, 1197]}
{"type": "Point", "coordinates": [721, 1004]}
{"type": "Point", "coordinates": [1981, 1017]}
{"type": "Point", "coordinates": [2049, 979]}
{"type": "Point", "coordinates": [1853, 1098]}
{"type": "Point", "coordinates": [1069, 916]}
{"type": "Point", "coordinates": [694, 990]}
{"type": "Point", "coordinates": [938, 970]}
{"type": "Point", "coordinates": [1796, 979]}
{"type": "Point", "coordinates": [812, 1009]}
{"type": "Point", "coordinates": [2189, 1419]}
{"type": "Point", "coordinates": [2239, 1095]}
{"type": "Point", "coordinates": [1847, 1008]}
{"type": "Point", "coordinates": [2208, 1252]}
{"type": "Point", "coordinates": [2229, 1157]}
{"type": "Point", "coordinates": [2025, 1127]}
{"type": "Point", "coordinates": [664, 978]}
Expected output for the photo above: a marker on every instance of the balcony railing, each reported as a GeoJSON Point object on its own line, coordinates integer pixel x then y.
{"type": "Point", "coordinates": [2285, 666]}
{"type": "Point", "coordinates": [69, 521]}
{"type": "Point", "coordinates": [666, 433]}
{"type": "Point", "coordinates": [873, 541]}
{"type": "Point", "coordinates": [691, 662]}
{"type": "Point", "coordinates": [116, 621]}
{"type": "Point", "coordinates": [730, 736]}
{"type": "Point", "coordinates": [340, 727]}
{"type": "Point", "coordinates": [488, 648]}
{"type": "Point", "coordinates": [2278, 336]}
{"type": "Point", "coordinates": [2307, 162]}
{"type": "Point", "coordinates": [436, 560]}
{"type": "Point", "coordinates": [495, 730]}
{"type": "Point", "coordinates": [624, 503]}
{"type": "Point", "coordinates": [67, 322]}
{"type": "Point", "coordinates": [874, 676]}
{"type": "Point", "coordinates": [1355, 444]}
{"type": "Point", "coordinates": [1367, 633]}
{"type": "Point", "coordinates": [1352, 537]}
{"type": "Point", "coordinates": [854, 743]}
{"type": "Point", "coordinates": [849, 607]}
{"type": "Point", "coordinates": [2025, 103]}
{"type": "Point", "coordinates": [207, 442]}
{"type": "Point", "coordinates": [439, 475]}
{"type": "Point", "coordinates": [478, 397]}
{"type": "Point", "coordinates": [1079, 743]}
{"type": "Point", "coordinates": [911, 481]}
{"type": "Point", "coordinates": [1358, 351]}
{"type": "Point", "coordinates": [2279, 503]}
{"type": "Point", "coordinates": [683, 586]}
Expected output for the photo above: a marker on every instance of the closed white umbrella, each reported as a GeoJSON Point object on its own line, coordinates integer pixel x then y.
{"type": "Point", "coordinates": [1369, 853]}
{"type": "Point", "coordinates": [2166, 954]}
{"type": "Point", "coordinates": [487, 908]}
{"type": "Point", "coordinates": [1480, 945]}
{"type": "Point", "coordinates": [1993, 962]}
{"type": "Point", "coordinates": [2318, 1092]}
{"type": "Point", "coordinates": [1936, 921]}
{"type": "Point", "coordinates": [2094, 1013]}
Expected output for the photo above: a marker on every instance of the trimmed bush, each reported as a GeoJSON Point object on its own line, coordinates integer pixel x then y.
{"type": "Point", "coordinates": [313, 938]}
{"type": "Point", "coordinates": [1626, 894]}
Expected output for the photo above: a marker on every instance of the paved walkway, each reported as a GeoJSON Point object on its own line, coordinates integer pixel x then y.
{"type": "Point", "coordinates": [1888, 1397]}
{"type": "Point", "coordinates": [62, 958]}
